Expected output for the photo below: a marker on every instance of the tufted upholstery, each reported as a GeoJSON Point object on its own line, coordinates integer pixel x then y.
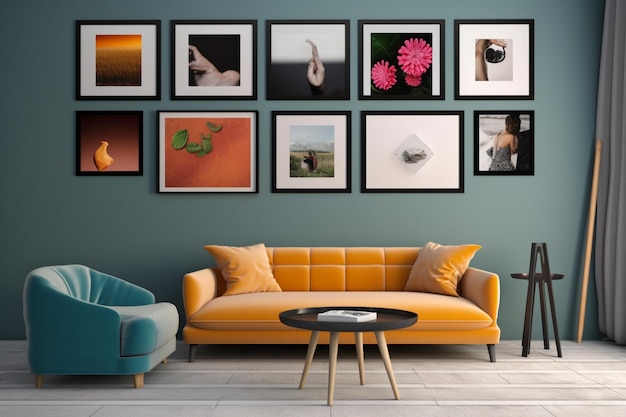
{"type": "Point", "coordinates": [342, 269]}
{"type": "Point", "coordinates": [340, 276]}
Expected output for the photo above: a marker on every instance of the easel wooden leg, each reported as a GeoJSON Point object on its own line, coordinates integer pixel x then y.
{"type": "Point", "coordinates": [530, 302]}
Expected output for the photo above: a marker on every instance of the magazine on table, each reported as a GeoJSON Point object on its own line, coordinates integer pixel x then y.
{"type": "Point", "coordinates": [347, 315]}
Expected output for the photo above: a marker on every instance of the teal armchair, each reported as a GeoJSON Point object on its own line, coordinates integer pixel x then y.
{"type": "Point", "coordinates": [83, 322]}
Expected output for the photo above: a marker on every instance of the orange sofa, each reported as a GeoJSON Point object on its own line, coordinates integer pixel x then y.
{"type": "Point", "coordinates": [333, 276]}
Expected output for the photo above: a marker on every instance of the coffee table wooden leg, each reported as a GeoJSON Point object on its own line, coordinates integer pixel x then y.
{"type": "Point", "coordinates": [384, 353]}
{"type": "Point", "coordinates": [309, 356]}
{"type": "Point", "coordinates": [358, 341]}
{"type": "Point", "coordinates": [332, 365]}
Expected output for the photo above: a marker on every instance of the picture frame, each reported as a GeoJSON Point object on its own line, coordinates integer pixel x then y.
{"type": "Point", "coordinates": [401, 59]}
{"type": "Point", "coordinates": [490, 126]}
{"type": "Point", "coordinates": [208, 151]}
{"type": "Point", "coordinates": [118, 59]}
{"type": "Point", "coordinates": [213, 59]}
{"type": "Point", "coordinates": [412, 151]}
{"type": "Point", "coordinates": [311, 151]}
{"type": "Point", "coordinates": [294, 45]}
{"type": "Point", "coordinates": [506, 67]}
{"type": "Point", "coordinates": [109, 143]}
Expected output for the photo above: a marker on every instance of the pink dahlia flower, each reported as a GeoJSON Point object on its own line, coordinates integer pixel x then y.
{"type": "Point", "coordinates": [415, 56]}
{"type": "Point", "coordinates": [384, 75]}
{"type": "Point", "coordinates": [413, 80]}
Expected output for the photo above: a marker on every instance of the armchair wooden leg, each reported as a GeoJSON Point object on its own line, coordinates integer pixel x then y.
{"type": "Point", "coordinates": [138, 380]}
{"type": "Point", "coordinates": [38, 381]}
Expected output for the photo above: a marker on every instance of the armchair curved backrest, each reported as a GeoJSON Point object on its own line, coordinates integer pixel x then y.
{"type": "Point", "coordinates": [84, 283]}
{"type": "Point", "coordinates": [73, 326]}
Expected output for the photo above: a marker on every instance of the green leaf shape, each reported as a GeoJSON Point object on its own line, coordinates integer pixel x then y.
{"type": "Point", "coordinates": [207, 144]}
{"type": "Point", "coordinates": [179, 139]}
{"type": "Point", "coordinates": [385, 46]}
{"type": "Point", "coordinates": [214, 127]}
{"type": "Point", "coordinates": [193, 147]}
{"type": "Point", "coordinates": [201, 153]}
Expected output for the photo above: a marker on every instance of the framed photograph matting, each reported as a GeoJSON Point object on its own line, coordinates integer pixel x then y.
{"type": "Point", "coordinates": [494, 59]}
{"type": "Point", "coordinates": [412, 151]}
{"type": "Point", "coordinates": [401, 59]}
{"type": "Point", "coordinates": [308, 59]}
{"type": "Point", "coordinates": [118, 59]}
{"type": "Point", "coordinates": [208, 151]}
{"type": "Point", "coordinates": [213, 59]}
{"type": "Point", "coordinates": [311, 152]}
{"type": "Point", "coordinates": [504, 142]}
{"type": "Point", "coordinates": [109, 143]}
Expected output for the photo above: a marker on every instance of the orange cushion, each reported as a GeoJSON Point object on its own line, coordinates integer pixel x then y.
{"type": "Point", "coordinates": [438, 269]}
{"type": "Point", "coordinates": [246, 269]}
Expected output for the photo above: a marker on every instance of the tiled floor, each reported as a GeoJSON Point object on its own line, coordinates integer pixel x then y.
{"type": "Point", "coordinates": [590, 380]}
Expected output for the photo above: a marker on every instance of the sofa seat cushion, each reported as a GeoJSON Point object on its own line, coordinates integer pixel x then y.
{"type": "Point", "coordinates": [146, 328]}
{"type": "Point", "coordinates": [259, 311]}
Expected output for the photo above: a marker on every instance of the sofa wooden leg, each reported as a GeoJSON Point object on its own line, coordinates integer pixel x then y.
{"type": "Point", "coordinates": [192, 352]}
{"type": "Point", "coordinates": [138, 380]}
{"type": "Point", "coordinates": [492, 352]}
{"type": "Point", "coordinates": [38, 381]}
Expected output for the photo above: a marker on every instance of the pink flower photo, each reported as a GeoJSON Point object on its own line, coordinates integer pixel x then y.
{"type": "Point", "coordinates": [405, 59]}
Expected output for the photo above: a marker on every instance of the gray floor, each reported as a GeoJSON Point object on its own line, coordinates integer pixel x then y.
{"type": "Point", "coordinates": [590, 380]}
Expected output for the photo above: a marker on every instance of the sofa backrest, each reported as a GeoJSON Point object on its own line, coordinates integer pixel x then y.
{"type": "Point", "coordinates": [342, 268]}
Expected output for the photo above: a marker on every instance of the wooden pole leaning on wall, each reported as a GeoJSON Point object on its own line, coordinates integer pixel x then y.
{"type": "Point", "coordinates": [589, 245]}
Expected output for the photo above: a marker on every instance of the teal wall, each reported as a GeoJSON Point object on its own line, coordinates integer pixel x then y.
{"type": "Point", "coordinates": [122, 226]}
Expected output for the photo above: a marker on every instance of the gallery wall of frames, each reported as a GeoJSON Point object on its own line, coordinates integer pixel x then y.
{"type": "Point", "coordinates": [306, 60]}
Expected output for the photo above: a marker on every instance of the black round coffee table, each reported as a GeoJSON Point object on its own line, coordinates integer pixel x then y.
{"type": "Point", "coordinates": [387, 319]}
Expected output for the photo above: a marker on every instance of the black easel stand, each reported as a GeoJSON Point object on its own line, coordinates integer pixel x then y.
{"type": "Point", "coordinates": [539, 278]}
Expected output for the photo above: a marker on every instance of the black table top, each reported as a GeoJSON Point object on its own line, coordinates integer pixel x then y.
{"type": "Point", "coordinates": [387, 319]}
{"type": "Point", "coordinates": [538, 276]}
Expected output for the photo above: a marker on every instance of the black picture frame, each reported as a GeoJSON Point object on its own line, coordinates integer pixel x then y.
{"type": "Point", "coordinates": [412, 152]}
{"type": "Point", "coordinates": [311, 151]}
{"type": "Point", "coordinates": [118, 59]}
{"type": "Point", "coordinates": [228, 47]}
{"type": "Point", "coordinates": [384, 76]}
{"type": "Point", "coordinates": [290, 49]}
{"type": "Point", "coordinates": [505, 69]}
{"type": "Point", "coordinates": [208, 151]}
{"type": "Point", "coordinates": [488, 124]}
{"type": "Point", "coordinates": [109, 143]}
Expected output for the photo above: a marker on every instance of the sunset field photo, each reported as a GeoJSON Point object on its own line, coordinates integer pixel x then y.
{"type": "Point", "coordinates": [118, 60]}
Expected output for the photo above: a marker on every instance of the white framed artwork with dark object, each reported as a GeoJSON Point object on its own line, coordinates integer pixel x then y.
{"type": "Point", "coordinates": [494, 59]}
{"type": "Point", "coordinates": [213, 59]}
{"type": "Point", "coordinates": [504, 142]}
{"type": "Point", "coordinates": [412, 151]}
{"type": "Point", "coordinates": [308, 59]}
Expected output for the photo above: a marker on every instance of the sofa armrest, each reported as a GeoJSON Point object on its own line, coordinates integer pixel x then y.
{"type": "Point", "coordinates": [199, 287]}
{"type": "Point", "coordinates": [483, 289]}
